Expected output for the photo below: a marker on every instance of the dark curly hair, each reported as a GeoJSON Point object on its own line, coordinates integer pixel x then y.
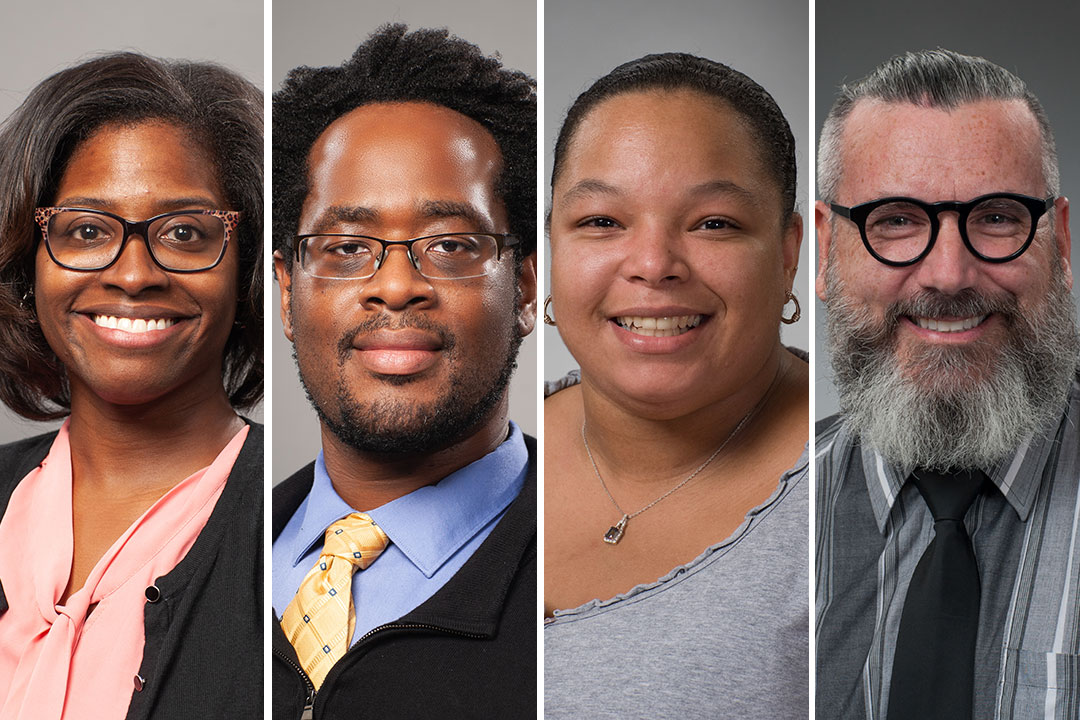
{"type": "Point", "coordinates": [394, 65]}
{"type": "Point", "coordinates": [682, 71]}
{"type": "Point", "coordinates": [223, 114]}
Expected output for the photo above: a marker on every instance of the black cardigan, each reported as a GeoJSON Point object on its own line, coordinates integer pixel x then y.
{"type": "Point", "coordinates": [203, 651]}
{"type": "Point", "coordinates": [469, 651]}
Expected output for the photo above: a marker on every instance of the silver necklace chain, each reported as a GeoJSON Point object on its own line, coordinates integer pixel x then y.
{"type": "Point", "coordinates": [616, 532]}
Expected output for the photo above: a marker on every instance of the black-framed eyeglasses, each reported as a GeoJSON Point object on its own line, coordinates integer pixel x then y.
{"type": "Point", "coordinates": [184, 241]}
{"type": "Point", "coordinates": [447, 256]}
{"type": "Point", "coordinates": [901, 231]}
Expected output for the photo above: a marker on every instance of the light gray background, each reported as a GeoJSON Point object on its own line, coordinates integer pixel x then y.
{"type": "Point", "coordinates": [38, 39]}
{"type": "Point", "coordinates": [765, 39]}
{"type": "Point", "coordinates": [1038, 43]}
{"type": "Point", "coordinates": [326, 33]}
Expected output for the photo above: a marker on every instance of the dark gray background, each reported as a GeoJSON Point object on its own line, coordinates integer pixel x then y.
{"type": "Point", "coordinates": [326, 33]}
{"type": "Point", "coordinates": [38, 39]}
{"type": "Point", "coordinates": [765, 39]}
{"type": "Point", "coordinates": [1036, 42]}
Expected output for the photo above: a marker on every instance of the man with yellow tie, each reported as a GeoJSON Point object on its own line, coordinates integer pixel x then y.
{"type": "Point", "coordinates": [404, 557]}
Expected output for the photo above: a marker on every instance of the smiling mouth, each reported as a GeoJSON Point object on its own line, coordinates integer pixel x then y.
{"type": "Point", "coordinates": [132, 325]}
{"type": "Point", "coordinates": [659, 326]}
{"type": "Point", "coordinates": [949, 326]}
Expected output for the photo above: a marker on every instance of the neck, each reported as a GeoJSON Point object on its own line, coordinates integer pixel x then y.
{"type": "Point", "coordinates": [367, 480]}
{"type": "Point", "coordinates": [151, 446]}
{"type": "Point", "coordinates": [635, 449]}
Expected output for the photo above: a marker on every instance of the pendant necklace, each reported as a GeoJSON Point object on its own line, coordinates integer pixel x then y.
{"type": "Point", "coordinates": [615, 532]}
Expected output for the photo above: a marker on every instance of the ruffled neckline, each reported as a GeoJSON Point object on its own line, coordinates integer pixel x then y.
{"type": "Point", "coordinates": [788, 480]}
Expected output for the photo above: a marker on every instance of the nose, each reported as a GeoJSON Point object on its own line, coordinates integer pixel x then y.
{"type": "Point", "coordinates": [397, 284]}
{"type": "Point", "coordinates": [135, 270]}
{"type": "Point", "coordinates": [655, 257]}
{"type": "Point", "coordinates": [949, 267]}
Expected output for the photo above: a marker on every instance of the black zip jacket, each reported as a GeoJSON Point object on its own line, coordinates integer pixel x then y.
{"type": "Point", "coordinates": [469, 651]}
{"type": "Point", "coordinates": [203, 652]}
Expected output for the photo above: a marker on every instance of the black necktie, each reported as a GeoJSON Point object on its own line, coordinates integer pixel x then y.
{"type": "Point", "coordinates": [934, 666]}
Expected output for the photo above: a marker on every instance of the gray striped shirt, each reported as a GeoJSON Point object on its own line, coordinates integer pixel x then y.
{"type": "Point", "coordinates": [872, 528]}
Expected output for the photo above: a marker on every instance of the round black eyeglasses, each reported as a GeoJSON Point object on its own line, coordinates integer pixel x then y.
{"type": "Point", "coordinates": [900, 231]}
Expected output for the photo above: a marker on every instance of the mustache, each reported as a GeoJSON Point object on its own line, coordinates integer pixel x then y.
{"type": "Point", "coordinates": [408, 319]}
{"type": "Point", "coordinates": [935, 304]}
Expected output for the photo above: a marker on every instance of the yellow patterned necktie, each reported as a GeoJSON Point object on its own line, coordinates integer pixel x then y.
{"type": "Point", "coordinates": [320, 620]}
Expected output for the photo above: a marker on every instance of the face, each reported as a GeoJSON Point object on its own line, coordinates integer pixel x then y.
{"type": "Point", "coordinates": [399, 362]}
{"type": "Point", "coordinates": [134, 333]}
{"type": "Point", "coordinates": [978, 351]}
{"type": "Point", "coordinates": [670, 259]}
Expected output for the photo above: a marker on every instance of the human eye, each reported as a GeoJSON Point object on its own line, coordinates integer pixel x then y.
{"type": "Point", "coordinates": [341, 249]}
{"type": "Point", "coordinates": [181, 234]}
{"type": "Point", "coordinates": [1000, 216]}
{"type": "Point", "coordinates": [192, 232]}
{"type": "Point", "coordinates": [599, 222]}
{"type": "Point", "coordinates": [896, 220]}
{"type": "Point", "coordinates": [718, 225]}
{"type": "Point", "coordinates": [82, 230]}
{"type": "Point", "coordinates": [454, 245]}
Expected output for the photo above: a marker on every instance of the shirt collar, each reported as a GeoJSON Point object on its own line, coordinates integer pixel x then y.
{"type": "Point", "coordinates": [432, 523]}
{"type": "Point", "coordinates": [1017, 477]}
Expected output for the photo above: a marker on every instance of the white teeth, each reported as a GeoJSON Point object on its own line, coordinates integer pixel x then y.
{"type": "Point", "coordinates": [949, 326]}
{"type": "Point", "coordinates": [136, 325]}
{"type": "Point", "coordinates": [659, 326]}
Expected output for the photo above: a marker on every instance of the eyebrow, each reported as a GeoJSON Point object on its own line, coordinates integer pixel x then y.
{"type": "Point", "coordinates": [163, 206]}
{"type": "Point", "coordinates": [436, 209]}
{"type": "Point", "coordinates": [722, 187]}
{"type": "Point", "coordinates": [336, 214]}
{"type": "Point", "coordinates": [427, 209]}
{"type": "Point", "coordinates": [589, 187]}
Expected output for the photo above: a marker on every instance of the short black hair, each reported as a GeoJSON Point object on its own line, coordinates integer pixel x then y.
{"type": "Point", "coordinates": [394, 65]}
{"type": "Point", "coordinates": [220, 110]}
{"type": "Point", "coordinates": [683, 71]}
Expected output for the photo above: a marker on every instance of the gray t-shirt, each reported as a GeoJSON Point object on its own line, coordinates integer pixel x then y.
{"type": "Point", "coordinates": [725, 636]}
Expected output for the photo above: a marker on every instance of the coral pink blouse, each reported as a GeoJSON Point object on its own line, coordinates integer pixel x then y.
{"type": "Point", "coordinates": [57, 662]}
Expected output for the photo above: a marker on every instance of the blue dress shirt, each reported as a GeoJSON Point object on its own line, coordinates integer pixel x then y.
{"type": "Point", "coordinates": [432, 531]}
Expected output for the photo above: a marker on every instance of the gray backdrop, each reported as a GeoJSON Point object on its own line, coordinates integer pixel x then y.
{"type": "Point", "coordinates": [766, 39]}
{"type": "Point", "coordinates": [38, 39]}
{"type": "Point", "coordinates": [1038, 43]}
{"type": "Point", "coordinates": [326, 33]}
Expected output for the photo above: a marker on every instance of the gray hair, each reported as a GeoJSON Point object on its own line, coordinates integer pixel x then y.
{"type": "Point", "coordinates": [933, 79]}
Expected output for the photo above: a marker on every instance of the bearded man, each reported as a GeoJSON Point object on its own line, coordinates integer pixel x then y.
{"type": "Point", "coordinates": [947, 522]}
{"type": "Point", "coordinates": [404, 557]}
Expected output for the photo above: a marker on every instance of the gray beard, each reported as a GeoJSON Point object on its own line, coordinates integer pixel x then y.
{"type": "Point", "coordinates": [953, 406]}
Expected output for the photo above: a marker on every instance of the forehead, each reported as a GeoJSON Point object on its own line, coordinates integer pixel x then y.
{"type": "Point", "coordinates": [139, 163]}
{"type": "Point", "coordinates": [938, 154]}
{"type": "Point", "coordinates": [389, 156]}
{"type": "Point", "coordinates": [665, 135]}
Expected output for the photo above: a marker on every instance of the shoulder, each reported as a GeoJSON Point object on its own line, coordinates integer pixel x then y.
{"type": "Point", "coordinates": [827, 429]}
{"type": "Point", "coordinates": [20, 457]}
{"type": "Point", "coordinates": [249, 463]}
{"type": "Point", "coordinates": [568, 380]}
{"type": "Point", "coordinates": [287, 496]}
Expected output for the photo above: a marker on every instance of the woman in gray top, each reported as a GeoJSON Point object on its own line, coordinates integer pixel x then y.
{"type": "Point", "coordinates": [675, 485]}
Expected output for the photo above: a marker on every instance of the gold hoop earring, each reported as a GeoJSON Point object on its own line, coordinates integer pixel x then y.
{"type": "Point", "coordinates": [548, 320]}
{"type": "Point", "coordinates": [795, 315]}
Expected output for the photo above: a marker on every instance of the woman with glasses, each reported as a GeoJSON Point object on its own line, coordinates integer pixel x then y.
{"type": "Point", "coordinates": [131, 305]}
{"type": "Point", "coordinates": [676, 472]}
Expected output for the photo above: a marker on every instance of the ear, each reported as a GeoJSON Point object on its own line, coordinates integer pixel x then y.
{"type": "Point", "coordinates": [792, 243]}
{"type": "Point", "coordinates": [527, 307]}
{"type": "Point", "coordinates": [824, 238]}
{"type": "Point", "coordinates": [1063, 237]}
{"type": "Point", "coordinates": [284, 280]}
